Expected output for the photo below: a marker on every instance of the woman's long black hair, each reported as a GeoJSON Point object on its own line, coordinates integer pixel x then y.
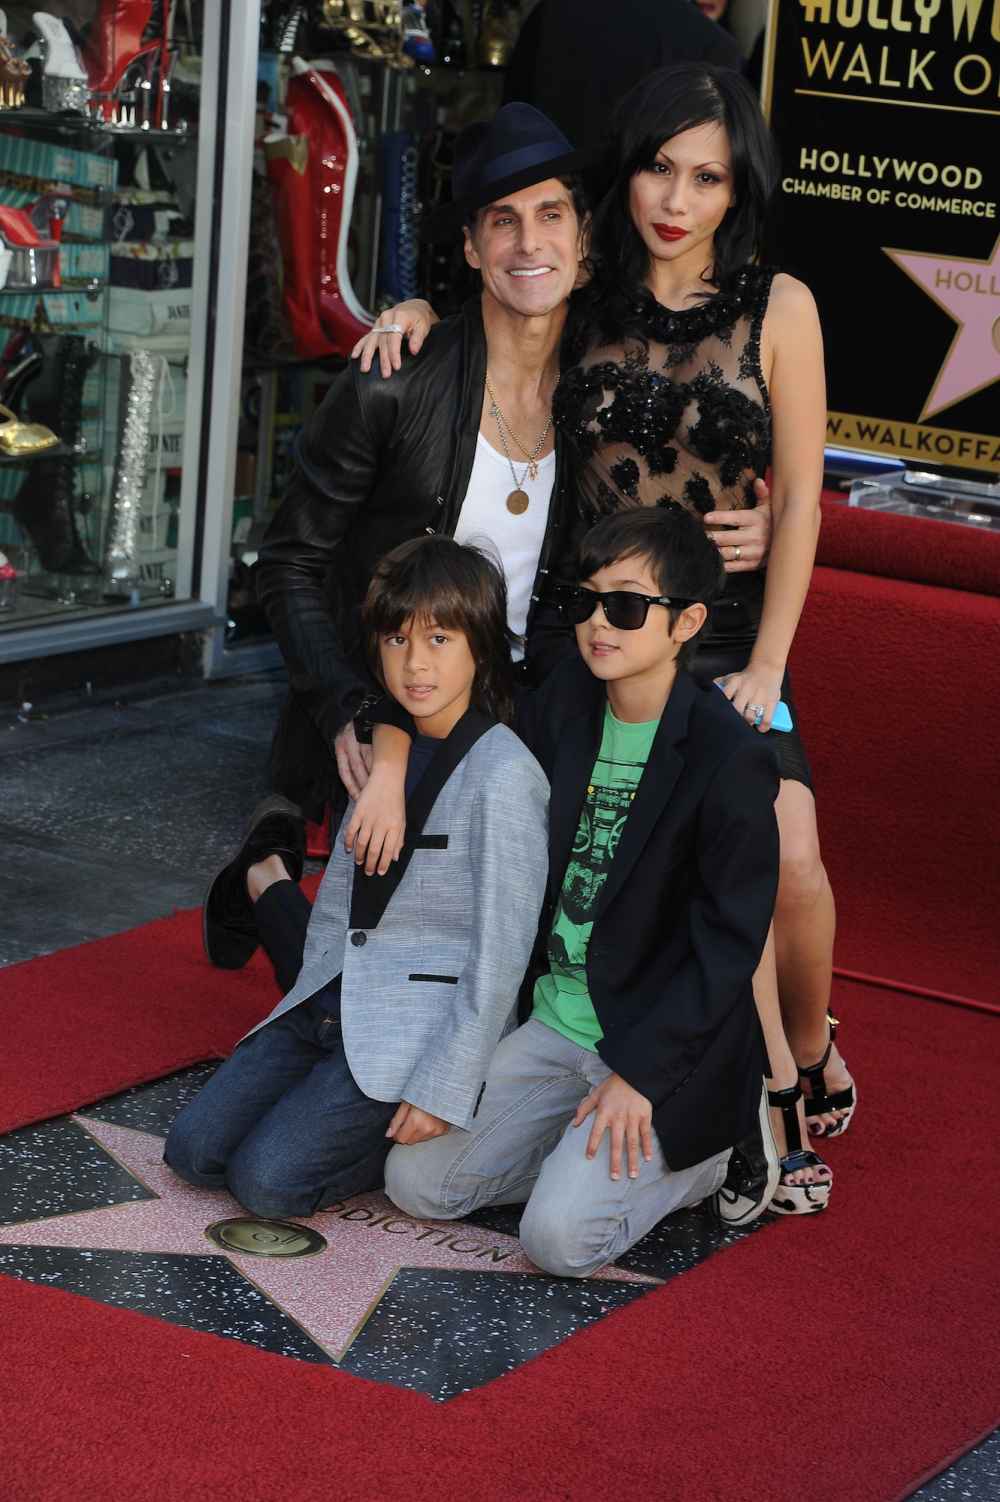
{"type": "Point", "coordinates": [462, 589]}
{"type": "Point", "coordinates": [669, 101]}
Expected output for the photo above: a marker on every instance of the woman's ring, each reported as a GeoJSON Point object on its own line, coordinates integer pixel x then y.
{"type": "Point", "coordinates": [757, 710]}
{"type": "Point", "coordinates": [737, 554]}
{"type": "Point", "coordinates": [388, 328]}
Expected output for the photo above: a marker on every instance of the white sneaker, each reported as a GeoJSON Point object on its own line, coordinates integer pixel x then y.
{"type": "Point", "coordinates": [753, 1174]}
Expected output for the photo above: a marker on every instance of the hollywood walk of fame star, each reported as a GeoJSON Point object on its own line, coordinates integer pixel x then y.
{"type": "Point", "coordinates": [330, 1294]}
{"type": "Point", "coordinates": [969, 290]}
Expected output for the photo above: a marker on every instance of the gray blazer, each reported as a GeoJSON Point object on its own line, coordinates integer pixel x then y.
{"type": "Point", "coordinates": [433, 953]}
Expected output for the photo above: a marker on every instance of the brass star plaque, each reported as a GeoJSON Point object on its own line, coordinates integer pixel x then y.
{"type": "Point", "coordinates": [265, 1238]}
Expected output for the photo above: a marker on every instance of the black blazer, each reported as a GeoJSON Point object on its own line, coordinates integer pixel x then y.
{"type": "Point", "coordinates": [684, 915]}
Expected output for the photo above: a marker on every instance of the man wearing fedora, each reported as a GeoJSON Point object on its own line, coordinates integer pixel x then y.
{"type": "Point", "coordinates": [459, 443]}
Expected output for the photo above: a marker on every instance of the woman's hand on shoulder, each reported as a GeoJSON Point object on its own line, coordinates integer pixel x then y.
{"type": "Point", "coordinates": [412, 320]}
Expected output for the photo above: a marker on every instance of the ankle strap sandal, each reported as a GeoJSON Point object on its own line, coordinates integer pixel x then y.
{"type": "Point", "coordinates": [796, 1199]}
{"type": "Point", "coordinates": [820, 1100]}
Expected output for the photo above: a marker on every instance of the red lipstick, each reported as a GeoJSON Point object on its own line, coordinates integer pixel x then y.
{"type": "Point", "coordinates": [669, 231]}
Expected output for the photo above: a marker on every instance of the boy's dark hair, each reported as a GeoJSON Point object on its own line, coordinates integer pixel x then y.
{"type": "Point", "coordinates": [460, 588]}
{"type": "Point", "coordinates": [682, 557]}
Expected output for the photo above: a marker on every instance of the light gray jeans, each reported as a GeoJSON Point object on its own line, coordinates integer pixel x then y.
{"type": "Point", "coordinates": [523, 1146]}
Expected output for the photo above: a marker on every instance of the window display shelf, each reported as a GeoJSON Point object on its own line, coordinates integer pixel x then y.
{"type": "Point", "coordinates": [104, 521]}
{"type": "Point", "coordinates": [58, 451]}
{"type": "Point", "coordinates": [182, 136]}
{"type": "Point", "coordinates": [88, 288]}
{"type": "Point", "coordinates": [38, 122]}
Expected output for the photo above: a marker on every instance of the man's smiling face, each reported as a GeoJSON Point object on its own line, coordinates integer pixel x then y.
{"type": "Point", "coordinates": [527, 247]}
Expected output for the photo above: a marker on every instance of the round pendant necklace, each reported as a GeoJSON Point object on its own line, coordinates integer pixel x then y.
{"type": "Point", "coordinates": [518, 501]}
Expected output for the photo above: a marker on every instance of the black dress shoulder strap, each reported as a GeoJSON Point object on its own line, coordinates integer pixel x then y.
{"type": "Point", "coordinates": [758, 295]}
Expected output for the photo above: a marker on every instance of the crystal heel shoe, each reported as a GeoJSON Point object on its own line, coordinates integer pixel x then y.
{"type": "Point", "coordinates": [119, 62]}
{"type": "Point", "coordinates": [64, 80]}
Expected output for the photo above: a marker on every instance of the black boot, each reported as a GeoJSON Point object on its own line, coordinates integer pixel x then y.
{"type": "Point", "coordinates": [228, 928]}
{"type": "Point", "coordinates": [46, 504]}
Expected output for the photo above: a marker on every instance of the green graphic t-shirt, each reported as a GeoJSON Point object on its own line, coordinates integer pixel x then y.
{"type": "Point", "coordinates": [561, 998]}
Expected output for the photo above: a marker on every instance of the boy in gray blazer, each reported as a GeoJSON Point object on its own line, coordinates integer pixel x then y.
{"type": "Point", "coordinates": [409, 979]}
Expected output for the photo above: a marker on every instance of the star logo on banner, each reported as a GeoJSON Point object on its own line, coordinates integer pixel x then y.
{"type": "Point", "coordinates": [969, 291]}
{"type": "Point", "coordinates": [329, 1295]}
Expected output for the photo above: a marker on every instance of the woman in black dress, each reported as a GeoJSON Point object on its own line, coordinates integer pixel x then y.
{"type": "Point", "coordinates": [688, 371]}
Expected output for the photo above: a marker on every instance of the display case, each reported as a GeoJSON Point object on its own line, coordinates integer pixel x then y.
{"type": "Point", "coordinates": [209, 168]}
{"type": "Point", "coordinates": [125, 157]}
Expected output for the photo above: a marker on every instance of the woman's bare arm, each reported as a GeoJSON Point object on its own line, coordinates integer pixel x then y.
{"type": "Point", "coordinates": [792, 349]}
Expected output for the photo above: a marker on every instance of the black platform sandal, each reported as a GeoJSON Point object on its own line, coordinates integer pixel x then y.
{"type": "Point", "coordinates": [819, 1101]}
{"type": "Point", "coordinates": [796, 1199]}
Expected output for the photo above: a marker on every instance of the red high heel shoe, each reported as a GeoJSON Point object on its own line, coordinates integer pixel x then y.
{"type": "Point", "coordinates": [115, 58]}
{"type": "Point", "coordinates": [317, 109]}
{"type": "Point", "coordinates": [288, 160]}
{"type": "Point", "coordinates": [29, 243]}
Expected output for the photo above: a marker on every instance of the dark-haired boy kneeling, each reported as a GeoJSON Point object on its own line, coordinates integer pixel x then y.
{"type": "Point", "coordinates": [407, 980]}
{"type": "Point", "coordinates": [641, 1063]}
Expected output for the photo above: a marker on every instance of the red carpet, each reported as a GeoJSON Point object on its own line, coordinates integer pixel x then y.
{"type": "Point", "coordinates": [150, 990]}
{"type": "Point", "coordinates": [848, 1357]}
{"type": "Point", "coordinates": [885, 1309]}
{"type": "Point", "coordinates": [908, 547]}
{"type": "Point", "coordinates": [896, 684]}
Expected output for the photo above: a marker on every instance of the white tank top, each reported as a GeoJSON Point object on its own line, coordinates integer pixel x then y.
{"type": "Point", "coordinates": [514, 541]}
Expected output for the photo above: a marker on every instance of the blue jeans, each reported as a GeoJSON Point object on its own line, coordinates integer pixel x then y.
{"type": "Point", "coordinates": [282, 1124]}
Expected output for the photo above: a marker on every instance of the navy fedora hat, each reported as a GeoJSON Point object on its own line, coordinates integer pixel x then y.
{"type": "Point", "coordinates": [516, 149]}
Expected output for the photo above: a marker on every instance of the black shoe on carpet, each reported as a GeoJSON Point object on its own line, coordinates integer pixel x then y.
{"type": "Point", "coordinates": [753, 1174]}
{"type": "Point", "coordinates": [228, 929]}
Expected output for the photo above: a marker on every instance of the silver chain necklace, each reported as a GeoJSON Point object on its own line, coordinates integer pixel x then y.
{"type": "Point", "coordinates": [518, 501]}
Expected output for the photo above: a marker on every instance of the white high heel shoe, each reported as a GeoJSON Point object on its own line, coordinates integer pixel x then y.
{"type": "Point", "coordinates": [64, 80]}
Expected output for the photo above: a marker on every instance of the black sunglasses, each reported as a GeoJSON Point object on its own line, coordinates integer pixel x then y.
{"type": "Point", "coordinates": [624, 609]}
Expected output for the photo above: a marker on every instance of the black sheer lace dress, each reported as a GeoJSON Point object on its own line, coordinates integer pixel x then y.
{"type": "Point", "coordinates": [676, 408]}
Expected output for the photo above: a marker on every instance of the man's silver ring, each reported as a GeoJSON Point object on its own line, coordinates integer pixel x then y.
{"type": "Point", "coordinates": [737, 554]}
{"type": "Point", "coordinates": [389, 328]}
{"type": "Point", "coordinates": [757, 710]}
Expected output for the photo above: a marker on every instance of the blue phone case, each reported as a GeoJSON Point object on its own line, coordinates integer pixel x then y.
{"type": "Point", "coordinates": [782, 716]}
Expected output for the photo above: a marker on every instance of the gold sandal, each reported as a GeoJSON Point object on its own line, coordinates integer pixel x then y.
{"type": "Point", "coordinates": [17, 437]}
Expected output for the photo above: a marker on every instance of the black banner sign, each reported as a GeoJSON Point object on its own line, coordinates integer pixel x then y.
{"type": "Point", "coordinates": [887, 115]}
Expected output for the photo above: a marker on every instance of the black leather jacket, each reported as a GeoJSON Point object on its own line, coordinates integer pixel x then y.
{"type": "Point", "coordinates": [381, 461]}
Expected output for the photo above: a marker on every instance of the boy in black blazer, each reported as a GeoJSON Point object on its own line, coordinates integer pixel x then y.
{"type": "Point", "coordinates": [641, 1062]}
